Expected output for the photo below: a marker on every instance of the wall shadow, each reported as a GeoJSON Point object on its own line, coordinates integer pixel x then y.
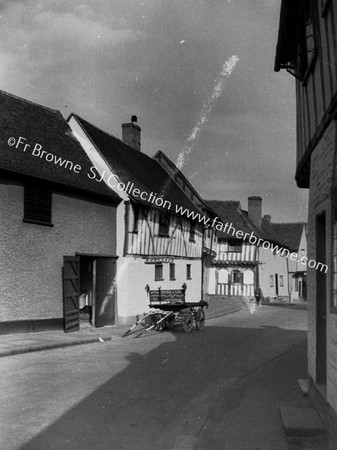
{"type": "Point", "coordinates": [136, 408]}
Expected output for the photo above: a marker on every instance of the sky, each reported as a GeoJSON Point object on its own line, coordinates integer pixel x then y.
{"type": "Point", "coordinates": [230, 129]}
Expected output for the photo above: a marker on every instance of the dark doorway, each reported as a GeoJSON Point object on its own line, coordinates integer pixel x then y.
{"type": "Point", "coordinates": [276, 284]}
{"type": "Point", "coordinates": [321, 308]}
{"type": "Point", "coordinates": [89, 291]}
{"type": "Point", "coordinates": [105, 291]}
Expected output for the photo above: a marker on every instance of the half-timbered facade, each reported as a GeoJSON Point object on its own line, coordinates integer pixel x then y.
{"type": "Point", "coordinates": [157, 246]}
{"type": "Point", "coordinates": [209, 237]}
{"type": "Point", "coordinates": [57, 227]}
{"type": "Point", "coordinates": [242, 262]}
{"type": "Point", "coordinates": [307, 48]}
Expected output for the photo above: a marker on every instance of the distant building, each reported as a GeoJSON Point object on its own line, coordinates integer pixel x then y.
{"type": "Point", "coordinates": [244, 257]}
{"type": "Point", "coordinates": [57, 227]}
{"type": "Point", "coordinates": [156, 244]}
{"type": "Point", "coordinates": [294, 237]}
{"type": "Point", "coordinates": [307, 49]}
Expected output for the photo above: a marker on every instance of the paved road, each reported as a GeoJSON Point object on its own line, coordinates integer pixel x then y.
{"type": "Point", "coordinates": [162, 391]}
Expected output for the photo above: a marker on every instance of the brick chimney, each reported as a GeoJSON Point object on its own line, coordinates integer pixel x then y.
{"type": "Point", "coordinates": [131, 133]}
{"type": "Point", "coordinates": [255, 210]}
{"type": "Point", "coordinates": [266, 220]}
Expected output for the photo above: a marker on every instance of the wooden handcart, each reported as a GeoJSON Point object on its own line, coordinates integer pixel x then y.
{"type": "Point", "coordinates": [169, 309]}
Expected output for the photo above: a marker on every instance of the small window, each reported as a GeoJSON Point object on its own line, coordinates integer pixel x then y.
{"type": "Point", "coordinates": [235, 245]}
{"type": "Point", "coordinates": [37, 204]}
{"type": "Point", "coordinates": [164, 224]}
{"type": "Point", "coordinates": [271, 280]}
{"type": "Point", "coordinates": [281, 280]}
{"type": "Point", "coordinates": [188, 272]}
{"type": "Point", "coordinates": [172, 271]}
{"type": "Point", "coordinates": [192, 231]}
{"type": "Point", "coordinates": [158, 272]}
{"type": "Point", "coordinates": [296, 284]}
{"type": "Point", "coordinates": [237, 276]}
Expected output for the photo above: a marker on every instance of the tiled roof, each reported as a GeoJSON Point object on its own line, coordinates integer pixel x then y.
{"type": "Point", "coordinates": [133, 166]}
{"type": "Point", "coordinates": [200, 202]}
{"type": "Point", "coordinates": [229, 211]}
{"type": "Point", "coordinates": [289, 233]}
{"type": "Point", "coordinates": [36, 124]}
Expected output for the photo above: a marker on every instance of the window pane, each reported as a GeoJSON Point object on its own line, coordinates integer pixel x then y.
{"type": "Point", "coordinates": [172, 271]}
{"type": "Point", "coordinates": [158, 272]}
{"type": "Point", "coordinates": [234, 245]}
{"type": "Point", "coordinates": [164, 223]}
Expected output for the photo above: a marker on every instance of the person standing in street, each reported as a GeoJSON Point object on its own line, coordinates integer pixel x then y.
{"type": "Point", "coordinates": [258, 295]}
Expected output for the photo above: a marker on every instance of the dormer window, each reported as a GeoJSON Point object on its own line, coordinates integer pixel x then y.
{"type": "Point", "coordinates": [235, 245]}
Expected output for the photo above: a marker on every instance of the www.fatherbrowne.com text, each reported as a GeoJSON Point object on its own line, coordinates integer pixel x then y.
{"type": "Point", "coordinates": [36, 151]}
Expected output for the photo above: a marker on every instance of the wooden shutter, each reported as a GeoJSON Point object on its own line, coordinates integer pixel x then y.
{"type": "Point", "coordinates": [105, 291]}
{"type": "Point", "coordinates": [37, 204]}
{"type": "Point", "coordinates": [71, 280]}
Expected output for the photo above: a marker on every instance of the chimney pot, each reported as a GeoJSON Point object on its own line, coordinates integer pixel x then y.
{"type": "Point", "coordinates": [255, 210]}
{"type": "Point", "coordinates": [267, 218]}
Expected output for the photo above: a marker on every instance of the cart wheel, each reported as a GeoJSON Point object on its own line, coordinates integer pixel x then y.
{"type": "Point", "coordinates": [186, 322]}
{"type": "Point", "coordinates": [200, 319]}
{"type": "Point", "coordinates": [169, 322]}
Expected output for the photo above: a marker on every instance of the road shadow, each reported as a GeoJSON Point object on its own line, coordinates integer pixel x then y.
{"type": "Point", "coordinates": [137, 408]}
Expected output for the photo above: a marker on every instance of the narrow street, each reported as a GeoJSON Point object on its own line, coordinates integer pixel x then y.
{"type": "Point", "coordinates": [162, 391]}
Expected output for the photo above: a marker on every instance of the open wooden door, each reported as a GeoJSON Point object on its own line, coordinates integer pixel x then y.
{"type": "Point", "coordinates": [105, 291]}
{"type": "Point", "coordinates": [71, 314]}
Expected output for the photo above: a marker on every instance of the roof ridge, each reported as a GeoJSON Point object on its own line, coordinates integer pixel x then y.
{"type": "Point", "coordinates": [112, 136]}
{"type": "Point", "coordinates": [137, 152]}
{"type": "Point", "coordinates": [30, 102]}
{"type": "Point", "coordinates": [287, 223]}
{"type": "Point", "coordinates": [223, 201]}
{"type": "Point", "coordinates": [178, 171]}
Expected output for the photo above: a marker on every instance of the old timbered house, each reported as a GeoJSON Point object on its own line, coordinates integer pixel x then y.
{"type": "Point", "coordinates": [243, 262]}
{"type": "Point", "coordinates": [209, 238]}
{"type": "Point", "coordinates": [307, 49]}
{"type": "Point", "coordinates": [157, 246]}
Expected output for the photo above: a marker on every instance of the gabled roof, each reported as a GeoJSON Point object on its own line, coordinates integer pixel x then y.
{"type": "Point", "coordinates": [229, 211]}
{"type": "Point", "coordinates": [133, 166]}
{"type": "Point", "coordinates": [36, 124]}
{"type": "Point", "coordinates": [289, 233]}
{"type": "Point", "coordinates": [176, 172]}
